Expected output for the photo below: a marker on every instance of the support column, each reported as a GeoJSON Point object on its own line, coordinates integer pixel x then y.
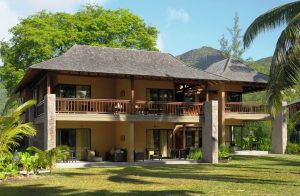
{"type": "Point", "coordinates": [279, 131]}
{"type": "Point", "coordinates": [221, 100]}
{"type": "Point", "coordinates": [210, 132]}
{"type": "Point", "coordinates": [130, 152]}
{"type": "Point", "coordinates": [49, 121]}
{"type": "Point", "coordinates": [183, 137]}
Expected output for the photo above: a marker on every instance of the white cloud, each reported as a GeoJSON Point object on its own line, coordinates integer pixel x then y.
{"type": "Point", "coordinates": [160, 42]}
{"type": "Point", "coordinates": [8, 18]}
{"type": "Point", "coordinates": [178, 15]}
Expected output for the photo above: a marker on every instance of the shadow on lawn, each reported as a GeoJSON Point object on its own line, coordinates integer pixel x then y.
{"type": "Point", "coordinates": [193, 174]}
{"type": "Point", "coordinates": [270, 160]}
{"type": "Point", "coordinates": [40, 189]}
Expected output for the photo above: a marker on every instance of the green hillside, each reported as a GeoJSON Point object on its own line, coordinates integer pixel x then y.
{"type": "Point", "coordinates": [261, 65]}
{"type": "Point", "coordinates": [205, 56]}
{"type": "Point", "coordinates": [202, 56]}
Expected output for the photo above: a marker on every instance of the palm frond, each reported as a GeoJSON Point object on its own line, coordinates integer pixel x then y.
{"type": "Point", "coordinates": [270, 20]}
{"type": "Point", "coordinates": [285, 66]}
{"type": "Point", "coordinates": [12, 130]}
{"type": "Point", "coordinates": [288, 45]}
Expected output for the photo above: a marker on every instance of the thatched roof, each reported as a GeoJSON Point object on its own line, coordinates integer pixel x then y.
{"type": "Point", "coordinates": [235, 70]}
{"type": "Point", "coordinates": [138, 63]}
{"type": "Point", "coordinates": [106, 60]}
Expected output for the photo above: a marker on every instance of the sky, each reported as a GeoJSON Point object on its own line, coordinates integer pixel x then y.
{"type": "Point", "coordinates": [183, 24]}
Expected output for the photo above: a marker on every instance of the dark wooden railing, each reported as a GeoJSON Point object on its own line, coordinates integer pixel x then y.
{"type": "Point", "coordinates": [244, 107]}
{"type": "Point", "coordinates": [100, 106]}
{"type": "Point", "coordinates": [168, 108]}
{"type": "Point", "coordinates": [115, 106]}
{"type": "Point", "coordinates": [39, 109]}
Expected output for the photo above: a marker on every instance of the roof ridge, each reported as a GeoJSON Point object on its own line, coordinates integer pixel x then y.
{"type": "Point", "coordinates": [113, 48]}
{"type": "Point", "coordinates": [227, 63]}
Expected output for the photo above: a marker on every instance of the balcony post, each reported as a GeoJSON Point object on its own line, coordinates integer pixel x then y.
{"type": "Point", "coordinates": [132, 104]}
{"type": "Point", "coordinates": [279, 131]}
{"type": "Point", "coordinates": [48, 84]}
{"type": "Point", "coordinates": [206, 92]}
{"type": "Point", "coordinates": [210, 132]}
{"type": "Point", "coordinates": [49, 121]}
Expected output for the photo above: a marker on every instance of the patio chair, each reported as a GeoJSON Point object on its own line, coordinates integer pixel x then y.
{"type": "Point", "coordinates": [154, 154]}
{"type": "Point", "coordinates": [72, 157]}
{"type": "Point", "coordinates": [139, 156]}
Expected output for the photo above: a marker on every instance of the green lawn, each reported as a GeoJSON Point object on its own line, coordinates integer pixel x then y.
{"type": "Point", "coordinates": [265, 175]}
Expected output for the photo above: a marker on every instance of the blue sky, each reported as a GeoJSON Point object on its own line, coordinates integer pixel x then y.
{"type": "Point", "coordinates": [183, 24]}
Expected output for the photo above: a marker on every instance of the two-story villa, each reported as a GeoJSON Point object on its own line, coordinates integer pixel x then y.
{"type": "Point", "coordinates": [106, 98]}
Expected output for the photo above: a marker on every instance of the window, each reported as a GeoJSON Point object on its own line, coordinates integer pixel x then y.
{"type": "Point", "coordinates": [73, 91]}
{"type": "Point", "coordinates": [234, 97]}
{"type": "Point", "coordinates": [190, 138]}
{"type": "Point", "coordinates": [159, 94]}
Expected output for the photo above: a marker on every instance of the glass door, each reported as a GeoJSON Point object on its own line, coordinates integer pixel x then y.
{"type": "Point", "coordinates": [79, 140]}
{"type": "Point", "coordinates": [160, 140]}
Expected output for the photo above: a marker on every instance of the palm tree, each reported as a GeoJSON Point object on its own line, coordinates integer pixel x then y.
{"type": "Point", "coordinates": [49, 158]}
{"type": "Point", "coordinates": [285, 66]}
{"type": "Point", "coordinates": [12, 130]}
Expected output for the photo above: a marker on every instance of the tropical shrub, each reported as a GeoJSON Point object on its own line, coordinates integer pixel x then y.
{"type": "Point", "coordinates": [12, 130]}
{"type": "Point", "coordinates": [195, 154]}
{"type": "Point", "coordinates": [264, 144]}
{"type": "Point", "coordinates": [293, 148]}
{"type": "Point", "coordinates": [7, 166]}
{"type": "Point", "coordinates": [26, 161]}
{"type": "Point", "coordinates": [49, 158]}
{"type": "Point", "coordinates": [223, 152]}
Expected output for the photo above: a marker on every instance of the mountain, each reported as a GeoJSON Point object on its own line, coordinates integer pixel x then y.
{"type": "Point", "coordinates": [207, 55]}
{"type": "Point", "coordinates": [265, 61]}
{"type": "Point", "coordinates": [202, 56]}
{"type": "Point", "coordinates": [261, 65]}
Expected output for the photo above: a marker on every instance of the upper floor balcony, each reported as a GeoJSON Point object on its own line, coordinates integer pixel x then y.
{"type": "Point", "coordinates": [150, 110]}
{"type": "Point", "coordinates": [116, 106]}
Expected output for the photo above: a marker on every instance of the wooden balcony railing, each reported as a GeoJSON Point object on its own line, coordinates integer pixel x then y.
{"type": "Point", "coordinates": [168, 108]}
{"type": "Point", "coordinates": [244, 107]}
{"type": "Point", "coordinates": [100, 106]}
{"type": "Point", "coordinates": [39, 109]}
{"type": "Point", "coordinates": [115, 106]}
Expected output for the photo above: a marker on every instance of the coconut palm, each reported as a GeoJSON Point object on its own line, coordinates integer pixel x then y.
{"type": "Point", "coordinates": [12, 129]}
{"type": "Point", "coordinates": [285, 66]}
{"type": "Point", "coordinates": [49, 158]}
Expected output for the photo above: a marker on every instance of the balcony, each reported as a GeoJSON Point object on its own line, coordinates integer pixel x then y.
{"type": "Point", "coordinates": [122, 110]}
{"type": "Point", "coordinates": [115, 106]}
{"type": "Point", "coordinates": [245, 107]}
{"type": "Point", "coordinates": [246, 111]}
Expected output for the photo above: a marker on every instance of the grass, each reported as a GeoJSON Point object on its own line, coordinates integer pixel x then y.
{"type": "Point", "coordinates": [264, 175]}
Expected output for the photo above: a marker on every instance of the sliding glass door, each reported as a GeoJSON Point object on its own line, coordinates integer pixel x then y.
{"type": "Point", "coordinates": [79, 140]}
{"type": "Point", "coordinates": [159, 140]}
